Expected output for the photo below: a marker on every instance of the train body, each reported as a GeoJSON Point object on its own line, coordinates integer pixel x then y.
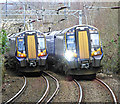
{"type": "Point", "coordinates": [76, 50]}
{"type": "Point", "coordinates": [28, 48]}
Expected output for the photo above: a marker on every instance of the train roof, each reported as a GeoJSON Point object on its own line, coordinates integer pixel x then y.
{"type": "Point", "coordinates": [53, 33]}
{"type": "Point", "coordinates": [23, 32]}
{"type": "Point", "coordinates": [83, 25]}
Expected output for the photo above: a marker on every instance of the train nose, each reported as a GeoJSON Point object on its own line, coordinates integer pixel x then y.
{"type": "Point", "coordinates": [33, 63]}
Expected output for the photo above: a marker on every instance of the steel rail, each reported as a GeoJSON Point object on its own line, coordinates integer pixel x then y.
{"type": "Point", "coordinates": [56, 90]}
{"type": "Point", "coordinates": [112, 93]}
{"type": "Point", "coordinates": [47, 89]}
{"type": "Point", "coordinates": [18, 93]}
{"type": "Point", "coordinates": [80, 91]}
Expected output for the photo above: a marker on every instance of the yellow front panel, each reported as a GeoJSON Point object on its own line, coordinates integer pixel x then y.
{"type": "Point", "coordinates": [31, 47]}
{"type": "Point", "coordinates": [83, 45]}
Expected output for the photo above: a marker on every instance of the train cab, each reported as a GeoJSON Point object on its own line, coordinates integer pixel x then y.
{"type": "Point", "coordinates": [30, 49]}
{"type": "Point", "coordinates": [79, 47]}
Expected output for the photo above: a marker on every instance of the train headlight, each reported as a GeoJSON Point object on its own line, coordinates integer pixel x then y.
{"type": "Point", "coordinates": [44, 53]}
{"type": "Point", "coordinates": [95, 53]}
{"type": "Point", "coordinates": [40, 54]}
{"type": "Point", "coordinates": [21, 55]}
{"type": "Point", "coordinates": [69, 55]}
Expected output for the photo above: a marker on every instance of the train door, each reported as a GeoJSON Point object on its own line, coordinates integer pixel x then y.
{"type": "Point", "coordinates": [31, 46]}
{"type": "Point", "coordinates": [83, 46]}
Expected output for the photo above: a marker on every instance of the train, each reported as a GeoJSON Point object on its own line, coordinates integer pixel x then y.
{"type": "Point", "coordinates": [75, 50]}
{"type": "Point", "coordinates": [28, 49]}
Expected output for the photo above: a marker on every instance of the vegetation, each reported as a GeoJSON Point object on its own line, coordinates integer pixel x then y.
{"type": "Point", "coordinates": [4, 48]}
{"type": "Point", "coordinates": [119, 40]}
{"type": "Point", "coordinates": [119, 54]}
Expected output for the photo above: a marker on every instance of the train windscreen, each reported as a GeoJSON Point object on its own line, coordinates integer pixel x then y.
{"type": "Point", "coordinates": [71, 42]}
{"type": "Point", "coordinates": [20, 43]}
{"type": "Point", "coordinates": [95, 40]}
{"type": "Point", "coordinates": [41, 43]}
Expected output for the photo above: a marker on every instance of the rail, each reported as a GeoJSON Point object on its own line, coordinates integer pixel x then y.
{"type": "Point", "coordinates": [80, 91]}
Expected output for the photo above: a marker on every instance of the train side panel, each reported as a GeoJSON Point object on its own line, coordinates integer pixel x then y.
{"type": "Point", "coordinates": [59, 45]}
{"type": "Point", "coordinates": [12, 47]}
{"type": "Point", "coordinates": [50, 42]}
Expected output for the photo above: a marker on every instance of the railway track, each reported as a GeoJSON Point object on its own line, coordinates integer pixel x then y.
{"type": "Point", "coordinates": [108, 88]}
{"type": "Point", "coordinates": [43, 97]}
{"type": "Point", "coordinates": [46, 91]}
{"type": "Point", "coordinates": [69, 91]}
{"type": "Point", "coordinates": [18, 93]}
{"type": "Point", "coordinates": [48, 100]}
{"type": "Point", "coordinates": [36, 91]}
{"type": "Point", "coordinates": [97, 91]}
{"type": "Point", "coordinates": [14, 98]}
{"type": "Point", "coordinates": [101, 83]}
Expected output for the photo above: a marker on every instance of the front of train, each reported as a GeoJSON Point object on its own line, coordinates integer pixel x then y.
{"type": "Point", "coordinates": [83, 50]}
{"type": "Point", "coordinates": [31, 49]}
